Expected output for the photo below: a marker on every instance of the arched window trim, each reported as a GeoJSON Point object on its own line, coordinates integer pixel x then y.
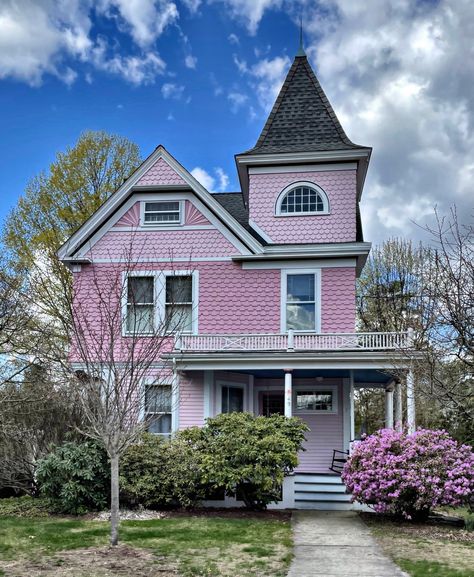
{"type": "Point", "coordinates": [294, 185]}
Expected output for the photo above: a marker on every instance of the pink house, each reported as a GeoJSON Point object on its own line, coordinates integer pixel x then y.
{"type": "Point", "coordinates": [267, 282]}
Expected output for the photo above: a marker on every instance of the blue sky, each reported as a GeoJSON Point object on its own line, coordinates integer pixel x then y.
{"type": "Point", "coordinates": [199, 77]}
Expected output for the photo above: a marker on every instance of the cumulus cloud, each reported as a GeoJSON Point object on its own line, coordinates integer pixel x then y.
{"type": "Point", "coordinates": [208, 181]}
{"type": "Point", "coordinates": [38, 38]}
{"type": "Point", "coordinates": [192, 5]}
{"type": "Point", "coordinates": [237, 100]}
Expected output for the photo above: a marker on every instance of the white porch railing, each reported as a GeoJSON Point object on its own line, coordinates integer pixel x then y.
{"type": "Point", "coordinates": [294, 342]}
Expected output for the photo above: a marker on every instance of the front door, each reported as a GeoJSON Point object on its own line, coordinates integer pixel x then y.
{"type": "Point", "coordinates": [272, 403]}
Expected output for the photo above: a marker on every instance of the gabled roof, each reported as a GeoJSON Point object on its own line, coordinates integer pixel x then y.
{"type": "Point", "coordinates": [234, 204]}
{"type": "Point", "coordinates": [72, 248]}
{"type": "Point", "coordinates": [302, 119]}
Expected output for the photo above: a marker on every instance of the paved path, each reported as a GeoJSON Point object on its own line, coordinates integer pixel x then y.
{"type": "Point", "coordinates": [339, 544]}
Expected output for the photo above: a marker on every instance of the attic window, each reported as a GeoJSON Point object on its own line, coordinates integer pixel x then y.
{"type": "Point", "coordinates": [162, 213]}
{"type": "Point", "coordinates": [302, 198]}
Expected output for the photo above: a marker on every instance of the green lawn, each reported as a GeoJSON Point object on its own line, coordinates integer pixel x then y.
{"type": "Point", "coordinates": [189, 545]}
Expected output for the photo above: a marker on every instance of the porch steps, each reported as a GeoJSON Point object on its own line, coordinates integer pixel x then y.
{"type": "Point", "coordinates": [321, 492]}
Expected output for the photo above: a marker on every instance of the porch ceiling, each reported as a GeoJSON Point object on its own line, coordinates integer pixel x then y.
{"type": "Point", "coordinates": [362, 377]}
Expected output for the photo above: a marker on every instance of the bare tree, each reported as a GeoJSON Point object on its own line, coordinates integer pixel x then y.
{"type": "Point", "coordinates": [118, 338]}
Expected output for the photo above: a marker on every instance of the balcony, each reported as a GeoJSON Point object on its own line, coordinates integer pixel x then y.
{"type": "Point", "coordinates": [294, 342]}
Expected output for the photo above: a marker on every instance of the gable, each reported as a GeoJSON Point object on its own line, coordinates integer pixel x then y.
{"type": "Point", "coordinates": [192, 216]}
{"type": "Point", "coordinates": [161, 174]}
{"type": "Point", "coordinates": [160, 171]}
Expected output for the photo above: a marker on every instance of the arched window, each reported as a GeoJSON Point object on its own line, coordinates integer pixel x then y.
{"type": "Point", "coordinates": [302, 198]}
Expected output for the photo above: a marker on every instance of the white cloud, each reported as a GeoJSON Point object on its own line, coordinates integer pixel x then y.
{"type": "Point", "coordinates": [38, 37]}
{"type": "Point", "coordinates": [145, 20]}
{"type": "Point", "coordinates": [170, 90]}
{"type": "Point", "coordinates": [135, 69]}
{"type": "Point", "coordinates": [190, 61]}
{"type": "Point", "coordinates": [266, 77]}
{"type": "Point", "coordinates": [223, 178]}
{"type": "Point", "coordinates": [233, 38]}
{"type": "Point", "coordinates": [204, 178]}
{"type": "Point", "coordinates": [237, 100]}
{"type": "Point", "coordinates": [208, 181]}
{"type": "Point", "coordinates": [192, 5]}
{"type": "Point", "coordinates": [249, 12]}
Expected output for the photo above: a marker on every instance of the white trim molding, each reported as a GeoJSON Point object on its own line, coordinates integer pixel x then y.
{"type": "Point", "coordinates": [302, 168]}
{"type": "Point", "coordinates": [285, 273]}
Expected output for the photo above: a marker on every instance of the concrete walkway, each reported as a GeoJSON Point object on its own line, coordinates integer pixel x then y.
{"type": "Point", "coordinates": [339, 544]}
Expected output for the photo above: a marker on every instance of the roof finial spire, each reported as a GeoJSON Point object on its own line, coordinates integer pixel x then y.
{"type": "Point", "coordinates": [301, 51]}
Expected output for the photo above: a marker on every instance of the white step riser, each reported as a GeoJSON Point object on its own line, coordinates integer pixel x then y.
{"type": "Point", "coordinates": [324, 506]}
{"type": "Point", "coordinates": [316, 488]}
{"type": "Point", "coordinates": [332, 479]}
{"type": "Point", "coordinates": [322, 497]}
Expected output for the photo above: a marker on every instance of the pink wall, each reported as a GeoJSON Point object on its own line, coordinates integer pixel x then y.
{"type": "Point", "coordinates": [191, 399]}
{"type": "Point", "coordinates": [338, 300]}
{"type": "Point", "coordinates": [338, 226]}
{"type": "Point", "coordinates": [162, 244]}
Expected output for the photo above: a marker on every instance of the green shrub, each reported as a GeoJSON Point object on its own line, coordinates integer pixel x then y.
{"type": "Point", "coordinates": [247, 455]}
{"type": "Point", "coordinates": [25, 506]}
{"type": "Point", "coordinates": [75, 478]}
{"type": "Point", "coordinates": [160, 473]}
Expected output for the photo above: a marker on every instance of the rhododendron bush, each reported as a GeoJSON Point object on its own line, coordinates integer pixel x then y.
{"type": "Point", "coordinates": [409, 475]}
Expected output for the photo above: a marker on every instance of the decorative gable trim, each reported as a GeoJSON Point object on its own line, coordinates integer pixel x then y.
{"type": "Point", "coordinates": [110, 206]}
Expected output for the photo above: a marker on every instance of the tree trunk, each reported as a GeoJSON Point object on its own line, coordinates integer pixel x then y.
{"type": "Point", "coordinates": [114, 500]}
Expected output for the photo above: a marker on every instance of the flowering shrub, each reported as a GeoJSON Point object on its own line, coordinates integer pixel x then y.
{"type": "Point", "coordinates": [409, 475]}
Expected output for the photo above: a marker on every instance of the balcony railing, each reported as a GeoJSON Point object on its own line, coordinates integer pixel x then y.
{"type": "Point", "coordinates": [294, 342]}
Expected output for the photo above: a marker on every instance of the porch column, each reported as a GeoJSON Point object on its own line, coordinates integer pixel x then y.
{"type": "Point", "coordinates": [398, 416]}
{"type": "Point", "coordinates": [411, 417]}
{"type": "Point", "coordinates": [288, 393]}
{"type": "Point", "coordinates": [389, 407]}
{"type": "Point", "coordinates": [352, 403]}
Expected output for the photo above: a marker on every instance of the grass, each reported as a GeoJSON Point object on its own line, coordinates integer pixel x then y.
{"type": "Point", "coordinates": [426, 549]}
{"type": "Point", "coordinates": [431, 569]}
{"type": "Point", "coordinates": [196, 545]}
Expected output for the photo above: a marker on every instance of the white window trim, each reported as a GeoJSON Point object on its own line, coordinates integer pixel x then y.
{"type": "Point", "coordinates": [147, 381]}
{"type": "Point", "coordinates": [220, 384]}
{"type": "Point", "coordinates": [148, 225]}
{"type": "Point", "coordinates": [159, 288]}
{"type": "Point", "coordinates": [289, 188]}
{"type": "Point", "coordinates": [317, 295]}
{"type": "Point", "coordinates": [316, 388]}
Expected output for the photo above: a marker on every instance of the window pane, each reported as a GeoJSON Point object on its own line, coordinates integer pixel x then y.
{"type": "Point", "coordinates": [314, 401]}
{"type": "Point", "coordinates": [140, 318]}
{"type": "Point", "coordinates": [300, 317]}
{"type": "Point", "coordinates": [140, 289]}
{"type": "Point", "coordinates": [179, 318]}
{"type": "Point", "coordinates": [162, 206]}
{"type": "Point", "coordinates": [159, 424]}
{"type": "Point", "coordinates": [302, 199]}
{"type": "Point", "coordinates": [158, 398]}
{"type": "Point", "coordinates": [300, 287]}
{"type": "Point", "coordinates": [273, 403]}
{"type": "Point", "coordinates": [232, 399]}
{"type": "Point", "coordinates": [179, 289]}
{"type": "Point", "coordinates": [162, 217]}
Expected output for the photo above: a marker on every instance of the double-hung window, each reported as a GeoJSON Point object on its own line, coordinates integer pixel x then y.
{"type": "Point", "coordinates": [300, 304]}
{"type": "Point", "coordinates": [140, 304]}
{"type": "Point", "coordinates": [158, 409]}
{"type": "Point", "coordinates": [319, 400]}
{"type": "Point", "coordinates": [159, 302]}
{"type": "Point", "coordinates": [179, 304]}
{"type": "Point", "coordinates": [162, 213]}
{"type": "Point", "coordinates": [232, 399]}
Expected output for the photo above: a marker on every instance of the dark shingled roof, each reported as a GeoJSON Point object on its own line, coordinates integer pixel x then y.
{"type": "Point", "coordinates": [233, 202]}
{"type": "Point", "coordinates": [302, 119]}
